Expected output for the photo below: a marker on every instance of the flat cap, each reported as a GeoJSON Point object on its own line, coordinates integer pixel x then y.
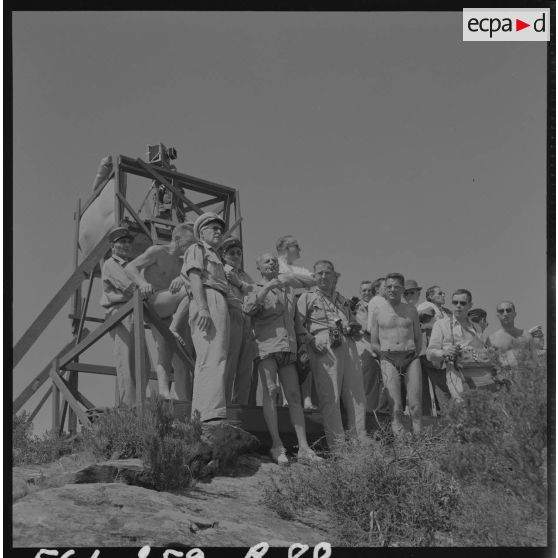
{"type": "Point", "coordinates": [120, 232]}
{"type": "Point", "coordinates": [204, 219]}
{"type": "Point", "coordinates": [411, 284]}
{"type": "Point", "coordinates": [229, 243]}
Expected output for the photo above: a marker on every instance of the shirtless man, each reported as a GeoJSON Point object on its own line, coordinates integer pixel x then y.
{"type": "Point", "coordinates": [397, 337]}
{"type": "Point", "coordinates": [516, 347]}
{"type": "Point", "coordinates": [157, 274]}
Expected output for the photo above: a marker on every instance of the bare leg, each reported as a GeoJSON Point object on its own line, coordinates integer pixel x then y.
{"type": "Point", "coordinates": [413, 381]}
{"type": "Point", "coordinates": [162, 362]}
{"type": "Point", "coordinates": [306, 391]}
{"type": "Point", "coordinates": [268, 376]}
{"type": "Point", "coordinates": [180, 318]}
{"type": "Point", "coordinates": [289, 381]}
{"type": "Point", "coordinates": [392, 383]}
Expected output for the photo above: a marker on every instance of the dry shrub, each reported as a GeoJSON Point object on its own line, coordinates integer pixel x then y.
{"type": "Point", "coordinates": [167, 446]}
{"type": "Point", "coordinates": [500, 438]}
{"type": "Point", "coordinates": [410, 497]}
{"type": "Point", "coordinates": [31, 448]}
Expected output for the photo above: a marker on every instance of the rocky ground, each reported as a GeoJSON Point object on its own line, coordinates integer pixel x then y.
{"type": "Point", "coordinates": [75, 502]}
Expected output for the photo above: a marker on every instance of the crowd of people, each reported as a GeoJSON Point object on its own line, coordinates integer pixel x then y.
{"type": "Point", "coordinates": [292, 339]}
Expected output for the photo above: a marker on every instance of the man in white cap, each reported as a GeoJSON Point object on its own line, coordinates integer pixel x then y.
{"type": "Point", "coordinates": [118, 288]}
{"type": "Point", "coordinates": [157, 274]}
{"type": "Point", "coordinates": [209, 317]}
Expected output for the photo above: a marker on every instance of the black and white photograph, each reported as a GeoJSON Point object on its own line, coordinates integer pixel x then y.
{"type": "Point", "coordinates": [281, 280]}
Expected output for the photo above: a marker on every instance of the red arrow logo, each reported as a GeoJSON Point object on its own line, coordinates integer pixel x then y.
{"type": "Point", "coordinates": [519, 25]}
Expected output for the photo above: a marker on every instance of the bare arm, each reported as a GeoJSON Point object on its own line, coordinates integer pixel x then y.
{"type": "Point", "coordinates": [203, 318]}
{"type": "Point", "coordinates": [374, 332]}
{"type": "Point", "coordinates": [416, 329]}
{"type": "Point", "coordinates": [143, 261]}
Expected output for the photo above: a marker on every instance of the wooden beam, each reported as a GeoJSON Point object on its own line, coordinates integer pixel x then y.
{"type": "Point", "coordinates": [40, 379]}
{"type": "Point", "coordinates": [60, 298]}
{"type": "Point", "coordinates": [176, 191]}
{"type": "Point", "coordinates": [55, 398]}
{"type": "Point", "coordinates": [97, 334]}
{"type": "Point", "coordinates": [101, 369]}
{"type": "Point", "coordinates": [40, 403]}
{"type": "Point", "coordinates": [193, 183]}
{"type": "Point", "coordinates": [169, 337]}
{"type": "Point", "coordinates": [72, 401]}
{"type": "Point", "coordinates": [87, 318]}
{"type": "Point", "coordinates": [226, 211]}
{"type": "Point", "coordinates": [133, 213]}
{"type": "Point", "coordinates": [139, 348]}
{"type": "Point", "coordinates": [210, 202]}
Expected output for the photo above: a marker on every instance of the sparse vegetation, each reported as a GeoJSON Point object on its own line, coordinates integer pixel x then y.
{"type": "Point", "coordinates": [32, 448]}
{"type": "Point", "coordinates": [169, 448]}
{"type": "Point", "coordinates": [481, 481]}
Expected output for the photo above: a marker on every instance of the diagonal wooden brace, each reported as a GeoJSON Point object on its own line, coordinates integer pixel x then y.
{"type": "Point", "coordinates": [61, 384]}
{"type": "Point", "coordinates": [176, 191]}
{"type": "Point", "coordinates": [97, 334]}
{"type": "Point", "coordinates": [59, 299]}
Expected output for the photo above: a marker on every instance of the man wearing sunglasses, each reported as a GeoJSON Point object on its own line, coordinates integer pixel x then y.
{"type": "Point", "coordinates": [516, 347]}
{"type": "Point", "coordinates": [452, 334]}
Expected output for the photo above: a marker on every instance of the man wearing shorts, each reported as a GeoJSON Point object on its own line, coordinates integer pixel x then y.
{"type": "Point", "coordinates": [397, 338]}
{"type": "Point", "coordinates": [157, 274]}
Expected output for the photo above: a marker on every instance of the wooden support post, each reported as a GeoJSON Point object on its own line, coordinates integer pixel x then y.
{"type": "Point", "coordinates": [226, 212]}
{"type": "Point", "coordinates": [76, 326]}
{"type": "Point", "coordinates": [55, 398]}
{"type": "Point", "coordinates": [117, 179]}
{"type": "Point", "coordinates": [55, 305]}
{"type": "Point", "coordinates": [40, 404]}
{"type": "Point", "coordinates": [139, 346]}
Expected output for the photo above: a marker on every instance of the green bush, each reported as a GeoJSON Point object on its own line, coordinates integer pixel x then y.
{"type": "Point", "coordinates": [409, 497]}
{"type": "Point", "coordinates": [500, 438]}
{"type": "Point", "coordinates": [479, 482]}
{"type": "Point", "coordinates": [29, 448]}
{"type": "Point", "coordinates": [167, 446]}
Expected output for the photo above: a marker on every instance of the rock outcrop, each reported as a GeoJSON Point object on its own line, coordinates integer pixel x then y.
{"type": "Point", "coordinates": [228, 511]}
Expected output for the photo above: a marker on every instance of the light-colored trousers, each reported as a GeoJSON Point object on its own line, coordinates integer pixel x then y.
{"type": "Point", "coordinates": [371, 374]}
{"type": "Point", "coordinates": [124, 350]}
{"type": "Point", "coordinates": [242, 352]}
{"type": "Point", "coordinates": [211, 357]}
{"type": "Point", "coordinates": [338, 377]}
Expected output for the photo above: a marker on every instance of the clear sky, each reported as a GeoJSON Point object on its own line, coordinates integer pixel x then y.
{"type": "Point", "coordinates": [380, 140]}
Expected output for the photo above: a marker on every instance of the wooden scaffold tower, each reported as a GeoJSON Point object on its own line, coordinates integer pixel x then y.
{"type": "Point", "coordinates": [172, 202]}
